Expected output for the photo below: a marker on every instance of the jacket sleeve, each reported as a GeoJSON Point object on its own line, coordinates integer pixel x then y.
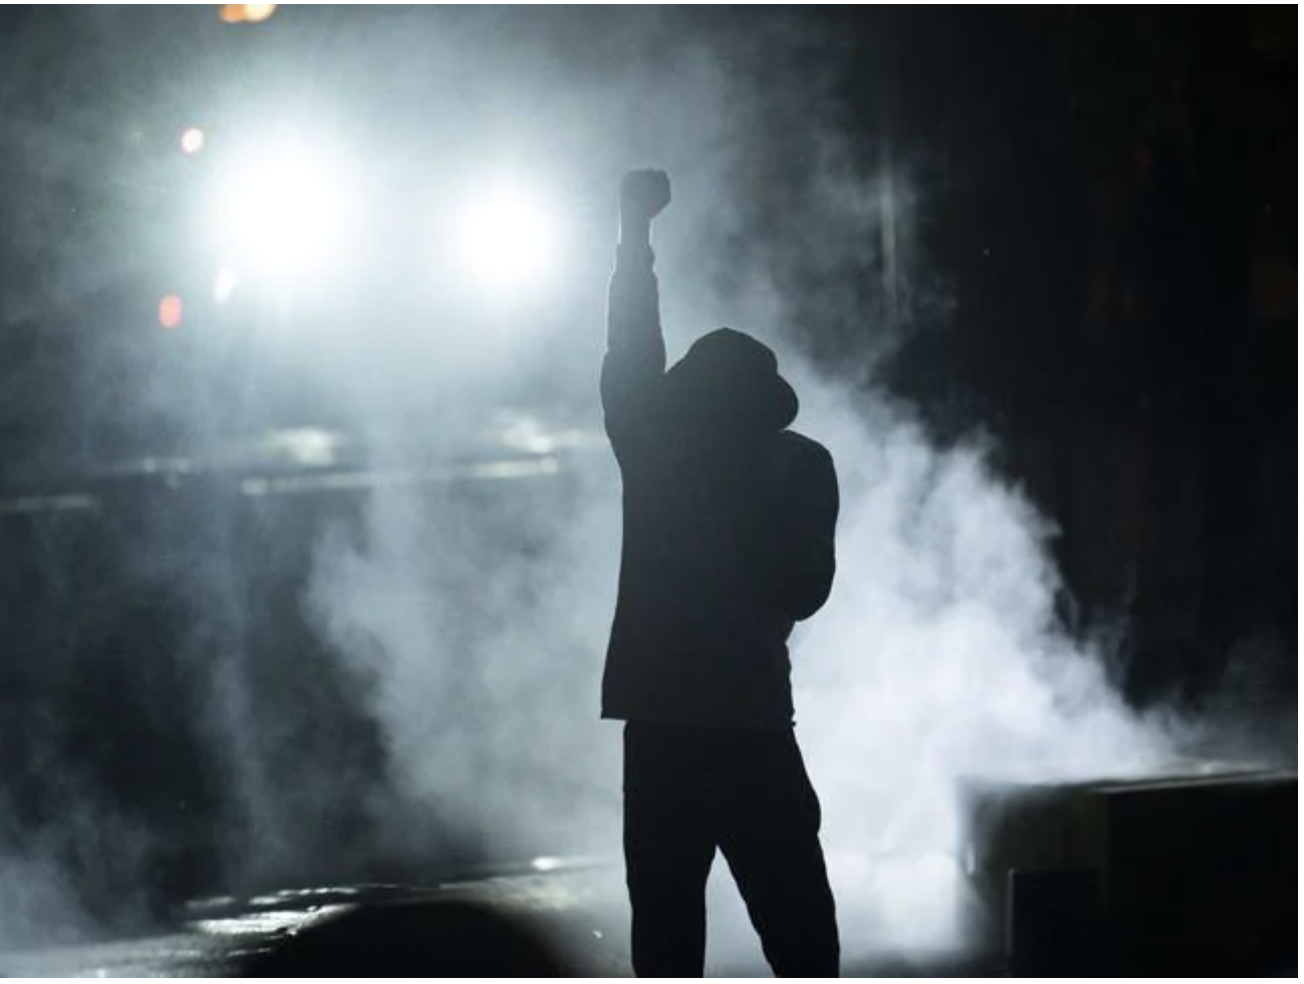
{"type": "Point", "coordinates": [635, 361]}
{"type": "Point", "coordinates": [807, 558]}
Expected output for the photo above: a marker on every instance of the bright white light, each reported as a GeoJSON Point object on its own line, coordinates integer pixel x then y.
{"type": "Point", "coordinates": [192, 141]}
{"type": "Point", "coordinates": [228, 278]}
{"type": "Point", "coordinates": [506, 239]}
{"type": "Point", "coordinates": [286, 215]}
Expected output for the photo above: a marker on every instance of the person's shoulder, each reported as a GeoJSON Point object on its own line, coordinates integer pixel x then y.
{"type": "Point", "coordinates": [801, 448]}
{"type": "Point", "coordinates": [804, 460]}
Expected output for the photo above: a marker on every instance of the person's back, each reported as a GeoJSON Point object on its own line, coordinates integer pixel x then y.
{"type": "Point", "coordinates": [710, 590]}
{"type": "Point", "coordinates": [729, 522]}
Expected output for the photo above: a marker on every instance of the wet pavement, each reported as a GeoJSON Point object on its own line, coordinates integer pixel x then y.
{"type": "Point", "coordinates": [575, 910]}
{"type": "Point", "coordinates": [575, 907]}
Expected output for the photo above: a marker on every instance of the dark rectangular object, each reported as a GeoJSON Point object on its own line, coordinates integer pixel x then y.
{"type": "Point", "coordinates": [1055, 924]}
{"type": "Point", "coordinates": [1195, 873]}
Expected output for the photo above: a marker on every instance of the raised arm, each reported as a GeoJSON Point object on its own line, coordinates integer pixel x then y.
{"type": "Point", "coordinates": [636, 350]}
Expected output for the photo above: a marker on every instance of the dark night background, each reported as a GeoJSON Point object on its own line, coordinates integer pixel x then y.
{"type": "Point", "coordinates": [1103, 284]}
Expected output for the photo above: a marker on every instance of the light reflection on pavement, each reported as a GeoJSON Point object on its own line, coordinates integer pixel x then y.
{"type": "Point", "coordinates": [214, 936]}
{"type": "Point", "coordinates": [580, 906]}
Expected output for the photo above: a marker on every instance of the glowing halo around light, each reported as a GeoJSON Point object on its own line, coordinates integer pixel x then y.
{"type": "Point", "coordinates": [192, 141]}
{"type": "Point", "coordinates": [286, 215]}
{"type": "Point", "coordinates": [505, 239]}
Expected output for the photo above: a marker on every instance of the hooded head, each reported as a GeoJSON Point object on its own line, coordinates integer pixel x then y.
{"type": "Point", "coordinates": [731, 381]}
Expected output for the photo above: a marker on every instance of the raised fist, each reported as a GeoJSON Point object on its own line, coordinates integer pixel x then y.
{"type": "Point", "coordinates": [644, 194]}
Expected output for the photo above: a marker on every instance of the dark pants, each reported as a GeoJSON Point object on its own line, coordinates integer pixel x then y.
{"type": "Point", "coordinates": [689, 791]}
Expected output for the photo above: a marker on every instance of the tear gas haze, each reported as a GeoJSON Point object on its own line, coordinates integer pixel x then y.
{"type": "Point", "coordinates": [437, 696]}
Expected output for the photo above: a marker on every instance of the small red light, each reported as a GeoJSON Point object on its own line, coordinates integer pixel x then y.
{"type": "Point", "coordinates": [171, 312]}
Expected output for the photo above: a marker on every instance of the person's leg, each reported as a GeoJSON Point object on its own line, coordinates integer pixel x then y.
{"type": "Point", "coordinates": [668, 853]}
{"type": "Point", "coordinates": [771, 841]}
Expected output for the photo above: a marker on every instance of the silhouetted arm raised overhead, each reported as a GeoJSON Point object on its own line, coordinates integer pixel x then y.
{"type": "Point", "coordinates": [636, 350]}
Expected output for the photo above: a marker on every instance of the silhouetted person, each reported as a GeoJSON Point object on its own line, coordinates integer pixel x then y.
{"type": "Point", "coordinates": [729, 521]}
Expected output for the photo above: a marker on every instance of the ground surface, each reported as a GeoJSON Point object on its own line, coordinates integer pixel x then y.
{"type": "Point", "coordinates": [576, 906]}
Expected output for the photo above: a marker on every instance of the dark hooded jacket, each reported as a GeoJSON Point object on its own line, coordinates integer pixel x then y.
{"type": "Point", "coordinates": [728, 521]}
